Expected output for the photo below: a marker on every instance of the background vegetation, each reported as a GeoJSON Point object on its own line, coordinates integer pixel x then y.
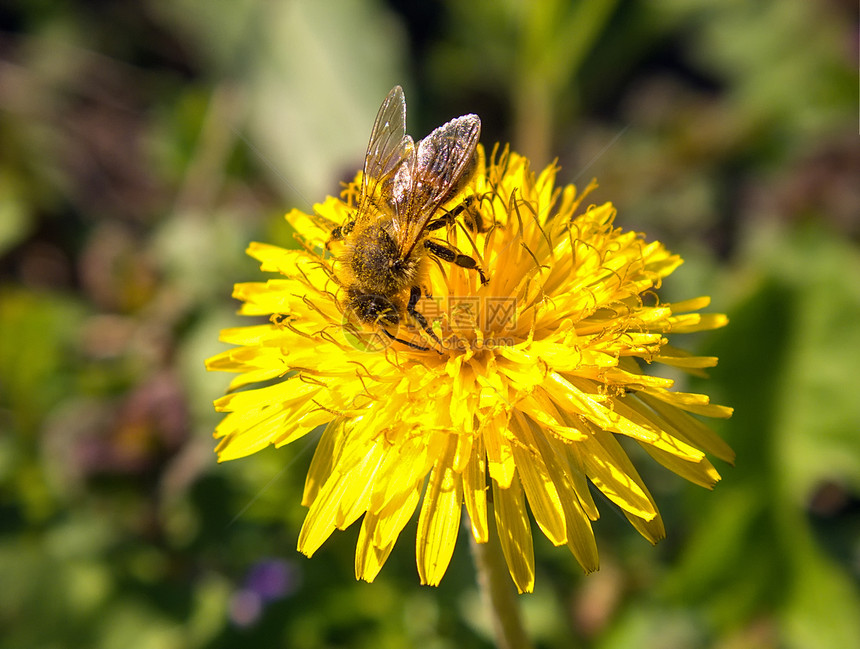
{"type": "Point", "coordinates": [144, 144]}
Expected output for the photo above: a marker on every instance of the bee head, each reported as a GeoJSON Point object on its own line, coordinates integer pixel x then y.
{"type": "Point", "coordinates": [374, 308]}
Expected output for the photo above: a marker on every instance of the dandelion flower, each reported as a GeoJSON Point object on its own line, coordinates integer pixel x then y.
{"type": "Point", "coordinates": [521, 395]}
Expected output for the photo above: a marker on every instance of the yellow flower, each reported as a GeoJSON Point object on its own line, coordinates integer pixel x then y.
{"type": "Point", "coordinates": [523, 398]}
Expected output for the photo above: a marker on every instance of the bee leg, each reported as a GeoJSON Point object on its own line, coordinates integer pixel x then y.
{"type": "Point", "coordinates": [474, 220]}
{"type": "Point", "coordinates": [341, 231]}
{"type": "Point", "coordinates": [414, 296]}
{"type": "Point", "coordinates": [454, 256]}
{"type": "Point", "coordinates": [442, 221]}
{"type": "Point", "coordinates": [471, 218]}
{"type": "Point", "coordinates": [405, 342]}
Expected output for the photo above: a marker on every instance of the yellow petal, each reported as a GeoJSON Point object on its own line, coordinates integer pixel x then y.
{"type": "Point", "coordinates": [378, 535]}
{"type": "Point", "coordinates": [500, 457]}
{"type": "Point", "coordinates": [608, 467]}
{"type": "Point", "coordinates": [698, 404]}
{"type": "Point", "coordinates": [572, 465]}
{"type": "Point", "coordinates": [338, 502]}
{"type": "Point", "coordinates": [679, 358]}
{"type": "Point", "coordinates": [691, 429]}
{"type": "Point", "coordinates": [475, 491]}
{"type": "Point", "coordinates": [369, 558]}
{"type": "Point", "coordinates": [540, 490]}
{"type": "Point", "coordinates": [699, 472]}
{"type": "Point", "coordinates": [515, 534]}
{"type": "Point", "coordinates": [328, 448]}
{"type": "Point", "coordinates": [404, 469]}
{"type": "Point", "coordinates": [439, 521]}
{"type": "Point", "coordinates": [580, 535]}
{"type": "Point", "coordinates": [394, 518]}
{"type": "Point", "coordinates": [689, 323]}
{"type": "Point", "coordinates": [309, 227]}
{"type": "Point", "coordinates": [652, 529]}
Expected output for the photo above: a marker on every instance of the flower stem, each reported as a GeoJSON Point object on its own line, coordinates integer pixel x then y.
{"type": "Point", "coordinates": [498, 593]}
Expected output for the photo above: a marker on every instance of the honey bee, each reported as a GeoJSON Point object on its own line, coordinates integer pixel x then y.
{"type": "Point", "coordinates": [387, 243]}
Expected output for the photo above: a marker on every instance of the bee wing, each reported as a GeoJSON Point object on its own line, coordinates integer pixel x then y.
{"type": "Point", "coordinates": [437, 166]}
{"type": "Point", "coordinates": [388, 148]}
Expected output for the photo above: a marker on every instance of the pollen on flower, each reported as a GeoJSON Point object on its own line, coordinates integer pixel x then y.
{"type": "Point", "coordinates": [497, 394]}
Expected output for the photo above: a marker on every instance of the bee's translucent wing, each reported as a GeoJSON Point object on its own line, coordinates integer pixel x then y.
{"type": "Point", "coordinates": [388, 148]}
{"type": "Point", "coordinates": [438, 166]}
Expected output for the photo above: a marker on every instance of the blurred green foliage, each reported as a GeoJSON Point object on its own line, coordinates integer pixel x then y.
{"type": "Point", "coordinates": [144, 144]}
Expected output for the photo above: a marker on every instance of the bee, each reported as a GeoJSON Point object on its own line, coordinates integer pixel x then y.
{"type": "Point", "coordinates": [387, 242]}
